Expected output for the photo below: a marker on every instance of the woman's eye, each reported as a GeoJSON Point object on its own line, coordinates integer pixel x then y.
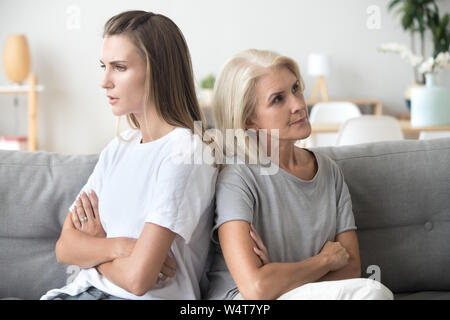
{"type": "Point", "coordinates": [295, 88]}
{"type": "Point", "coordinates": [120, 68]}
{"type": "Point", "coordinates": [277, 99]}
{"type": "Point", "coordinates": [102, 66]}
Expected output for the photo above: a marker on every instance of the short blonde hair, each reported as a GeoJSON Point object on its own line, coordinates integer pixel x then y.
{"type": "Point", "coordinates": [234, 99]}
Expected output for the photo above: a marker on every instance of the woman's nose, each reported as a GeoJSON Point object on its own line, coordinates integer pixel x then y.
{"type": "Point", "coordinates": [106, 81]}
{"type": "Point", "coordinates": [298, 104]}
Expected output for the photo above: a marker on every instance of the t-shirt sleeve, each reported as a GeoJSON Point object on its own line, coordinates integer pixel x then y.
{"type": "Point", "coordinates": [345, 220]}
{"type": "Point", "coordinates": [183, 192]}
{"type": "Point", "coordinates": [234, 199]}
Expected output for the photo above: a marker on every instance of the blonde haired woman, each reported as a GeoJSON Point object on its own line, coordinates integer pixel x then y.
{"type": "Point", "coordinates": [290, 234]}
{"type": "Point", "coordinates": [142, 231]}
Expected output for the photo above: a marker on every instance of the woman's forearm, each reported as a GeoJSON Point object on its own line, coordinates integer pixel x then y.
{"type": "Point", "coordinates": [350, 271]}
{"type": "Point", "coordinates": [275, 279]}
{"type": "Point", "coordinates": [120, 272]}
{"type": "Point", "coordinates": [77, 248]}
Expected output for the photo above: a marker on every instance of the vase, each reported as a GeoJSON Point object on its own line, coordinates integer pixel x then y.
{"type": "Point", "coordinates": [408, 93]}
{"type": "Point", "coordinates": [16, 58]}
{"type": "Point", "coordinates": [430, 105]}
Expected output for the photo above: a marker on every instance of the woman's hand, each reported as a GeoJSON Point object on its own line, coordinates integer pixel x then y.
{"type": "Point", "coordinates": [125, 246]}
{"type": "Point", "coordinates": [85, 216]}
{"type": "Point", "coordinates": [260, 249]}
{"type": "Point", "coordinates": [336, 254]}
{"type": "Point", "coordinates": [168, 269]}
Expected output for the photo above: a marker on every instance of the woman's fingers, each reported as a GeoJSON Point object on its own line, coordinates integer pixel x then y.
{"type": "Point", "coordinates": [94, 203]}
{"type": "Point", "coordinates": [262, 255]}
{"type": "Point", "coordinates": [80, 212]}
{"type": "Point", "coordinates": [75, 219]}
{"type": "Point", "coordinates": [260, 249]}
{"type": "Point", "coordinates": [161, 277]}
{"type": "Point", "coordinates": [168, 271]}
{"type": "Point", "coordinates": [168, 268]}
{"type": "Point", "coordinates": [258, 252]}
{"type": "Point", "coordinates": [170, 262]}
{"type": "Point", "coordinates": [255, 236]}
{"type": "Point", "coordinates": [87, 206]}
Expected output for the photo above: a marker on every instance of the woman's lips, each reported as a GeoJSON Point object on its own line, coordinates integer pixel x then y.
{"type": "Point", "coordinates": [112, 100]}
{"type": "Point", "coordinates": [301, 120]}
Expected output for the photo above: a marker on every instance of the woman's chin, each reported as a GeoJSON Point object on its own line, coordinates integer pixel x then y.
{"type": "Point", "coordinates": [118, 112]}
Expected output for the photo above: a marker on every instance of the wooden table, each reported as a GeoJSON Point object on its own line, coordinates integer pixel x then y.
{"type": "Point", "coordinates": [407, 129]}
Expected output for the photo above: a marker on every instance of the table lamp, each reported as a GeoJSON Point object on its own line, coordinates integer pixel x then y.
{"type": "Point", "coordinates": [16, 63]}
{"type": "Point", "coordinates": [318, 66]}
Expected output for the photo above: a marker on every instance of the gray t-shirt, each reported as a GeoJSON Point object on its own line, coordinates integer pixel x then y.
{"type": "Point", "coordinates": [294, 217]}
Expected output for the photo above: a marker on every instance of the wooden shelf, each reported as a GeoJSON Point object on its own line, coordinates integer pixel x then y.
{"type": "Point", "coordinates": [12, 89]}
{"type": "Point", "coordinates": [31, 90]}
{"type": "Point", "coordinates": [405, 125]}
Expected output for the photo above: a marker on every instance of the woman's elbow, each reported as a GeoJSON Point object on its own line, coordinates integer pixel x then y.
{"type": "Point", "coordinates": [141, 284]}
{"type": "Point", "coordinates": [59, 252]}
{"type": "Point", "coordinates": [256, 290]}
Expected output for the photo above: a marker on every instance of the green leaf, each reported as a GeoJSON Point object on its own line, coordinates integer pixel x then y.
{"type": "Point", "coordinates": [393, 4]}
{"type": "Point", "coordinates": [406, 22]}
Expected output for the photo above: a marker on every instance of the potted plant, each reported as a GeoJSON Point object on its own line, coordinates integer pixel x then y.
{"type": "Point", "coordinates": [418, 17]}
{"type": "Point", "coordinates": [207, 86]}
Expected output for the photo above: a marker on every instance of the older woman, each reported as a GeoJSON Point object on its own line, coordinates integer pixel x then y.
{"type": "Point", "coordinates": [289, 234]}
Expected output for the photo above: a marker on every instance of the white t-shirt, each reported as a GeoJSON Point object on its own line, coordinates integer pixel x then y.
{"type": "Point", "coordinates": [154, 182]}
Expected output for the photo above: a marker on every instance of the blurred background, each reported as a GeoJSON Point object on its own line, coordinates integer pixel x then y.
{"type": "Point", "coordinates": [65, 38]}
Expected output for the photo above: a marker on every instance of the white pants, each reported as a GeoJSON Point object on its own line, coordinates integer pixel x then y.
{"type": "Point", "coordinates": [350, 289]}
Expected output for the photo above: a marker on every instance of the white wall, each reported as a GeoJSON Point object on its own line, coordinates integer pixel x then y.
{"type": "Point", "coordinates": [74, 116]}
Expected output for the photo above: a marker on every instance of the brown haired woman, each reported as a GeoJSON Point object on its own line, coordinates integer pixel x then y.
{"type": "Point", "coordinates": [146, 208]}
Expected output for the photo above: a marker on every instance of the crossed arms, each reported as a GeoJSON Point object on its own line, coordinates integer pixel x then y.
{"type": "Point", "coordinates": [257, 278]}
{"type": "Point", "coordinates": [132, 264]}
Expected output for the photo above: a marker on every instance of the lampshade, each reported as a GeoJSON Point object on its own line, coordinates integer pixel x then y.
{"type": "Point", "coordinates": [318, 64]}
{"type": "Point", "coordinates": [16, 58]}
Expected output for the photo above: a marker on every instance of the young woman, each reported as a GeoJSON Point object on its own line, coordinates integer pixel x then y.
{"type": "Point", "coordinates": [289, 234]}
{"type": "Point", "coordinates": [146, 209]}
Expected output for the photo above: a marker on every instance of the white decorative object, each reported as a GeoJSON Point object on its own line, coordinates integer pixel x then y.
{"type": "Point", "coordinates": [430, 64]}
{"type": "Point", "coordinates": [319, 66]}
{"type": "Point", "coordinates": [430, 105]}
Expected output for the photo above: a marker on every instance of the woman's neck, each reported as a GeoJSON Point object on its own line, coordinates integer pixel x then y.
{"type": "Point", "coordinates": [287, 156]}
{"type": "Point", "coordinates": [154, 128]}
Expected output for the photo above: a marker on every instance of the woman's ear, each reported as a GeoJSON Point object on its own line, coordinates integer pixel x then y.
{"type": "Point", "coordinates": [250, 123]}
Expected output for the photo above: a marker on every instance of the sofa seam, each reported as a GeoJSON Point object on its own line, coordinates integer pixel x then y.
{"type": "Point", "coordinates": [390, 153]}
{"type": "Point", "coordinates": [43, 165]}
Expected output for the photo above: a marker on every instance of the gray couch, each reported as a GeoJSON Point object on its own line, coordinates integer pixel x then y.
{"type": "Point", "coordinates": [400, 192]}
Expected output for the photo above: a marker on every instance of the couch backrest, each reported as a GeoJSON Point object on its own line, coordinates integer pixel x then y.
{"type": "Point", "coordinates": [401, 201]}
{"type": "Point", "coordinates": [400, 192]}
{"type": "Point", "coordinates": [36, 190]}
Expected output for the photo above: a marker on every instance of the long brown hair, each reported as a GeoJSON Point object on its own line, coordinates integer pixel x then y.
{"type": "Point", "coordinates": [169, 77]}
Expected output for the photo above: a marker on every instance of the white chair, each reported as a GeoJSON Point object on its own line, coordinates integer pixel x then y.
{"type": "Point", "coordinates": [330, 112]}
{"type": "Point", "coordinates": [369, 128]}
{"type": "Point", "coordinates": [426, 135]}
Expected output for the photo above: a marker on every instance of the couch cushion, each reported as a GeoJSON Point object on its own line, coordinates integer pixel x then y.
{"type": "Point", "coordinates": [401, 201]}
{"type": "Point", "coordinates": [424, 295]}
{"type": "Point", "coordinates": [36, 191]}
